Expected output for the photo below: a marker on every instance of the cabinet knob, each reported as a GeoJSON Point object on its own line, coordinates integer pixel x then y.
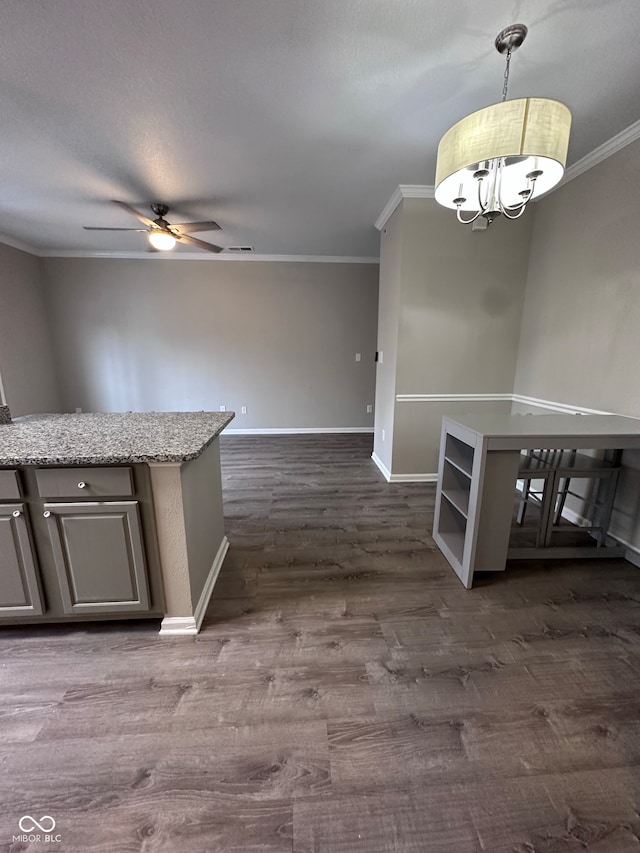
{"type": "Point", "coordinates": [46, 513]}
{"type": "Point", "coordinates": [82, 484]}
{"type": "Point", "coordinates": [16, 513]}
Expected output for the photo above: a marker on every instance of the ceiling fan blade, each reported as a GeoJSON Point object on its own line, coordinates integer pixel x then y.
{"type": "Point", "coordinates": [188, 227]}
{"type": "Point", "coordinates": [97, 228]}
{"type": "Point", "coordinates": [193, 241]}
{"type": "Point", "coordinates": [134, 212]}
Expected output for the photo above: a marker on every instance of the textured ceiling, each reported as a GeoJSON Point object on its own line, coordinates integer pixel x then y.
{"type": "Point", "coordinates": [290, 122]}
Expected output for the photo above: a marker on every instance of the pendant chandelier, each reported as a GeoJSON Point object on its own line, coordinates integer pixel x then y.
{"type": "Point", "coordinates": [494, 161]}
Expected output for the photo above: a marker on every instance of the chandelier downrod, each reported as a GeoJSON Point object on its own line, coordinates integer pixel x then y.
{"type": "Point", "coordinates": [507, 41]}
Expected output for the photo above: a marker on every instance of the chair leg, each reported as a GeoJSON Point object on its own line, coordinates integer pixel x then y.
{"type": "Point", "coordinates": [562, 497]}
{"type": "Point", "coordinates": [607, 508]}
{"type": "Point", "coordinates": [526, 488]}
{"type": "Point", "coordinates": [547, 511]}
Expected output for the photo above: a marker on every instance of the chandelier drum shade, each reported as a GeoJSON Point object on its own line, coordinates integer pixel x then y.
{"type": "Point", "coordinates": [497, 159]}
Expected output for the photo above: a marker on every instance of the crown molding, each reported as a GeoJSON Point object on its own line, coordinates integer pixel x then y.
{"type": "Point", "coordinates": [401, 192]}
{"type": "Point", "coordinates": [602, 152]}
{"type": "Point", "coordinates": [208, 256]}
{"type": "Point", "coordinates": [14, 243]}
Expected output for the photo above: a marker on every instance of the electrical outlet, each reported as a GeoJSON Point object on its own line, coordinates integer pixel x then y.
{"type": "Point", "coordinates": [78, 410]}
{"type": "Point", "coordinates": [244, 410]}
{"type": "Point", "coordinates": [223, 408]}
{"type": "Point", "coordinates": [358, 356]}
{"type": "Point", "coordinates": [383, 435]}
{"type": "Point", "coordinates": [369, 409]}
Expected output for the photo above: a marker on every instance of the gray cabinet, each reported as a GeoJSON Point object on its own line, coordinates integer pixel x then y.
{"type": "Point", "coordinates": [20, 593]}
{"type": "Point", "coordinates": [77, 543]}
{"type": "Point", "coordinates": [99, 558]}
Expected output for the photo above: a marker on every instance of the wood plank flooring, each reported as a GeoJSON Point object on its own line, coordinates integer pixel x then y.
{"type": "Point", "coordinates": [345, 694]}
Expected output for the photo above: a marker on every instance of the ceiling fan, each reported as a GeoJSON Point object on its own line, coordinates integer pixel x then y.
{"type": "Point", "coordinates": [163, 235]}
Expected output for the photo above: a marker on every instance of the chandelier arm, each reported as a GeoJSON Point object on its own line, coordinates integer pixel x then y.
{"type": "Point", "coordinates": [481, 205]}
{"type": "Point", "coordinates": [512, 208]}
{"type": "Point", "coordinates": [467, 221]}
{"type": "Point", "coordinates": [521, 210]}
{"type": "Point", "coordinates": [516, 209]}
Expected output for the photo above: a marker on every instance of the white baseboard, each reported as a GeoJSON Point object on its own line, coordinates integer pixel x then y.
{"type": "Point", "coordinates": [299, 431]}
{"type": "Point", "coordinates": [414, 478]}
{"type": "Point", "coordinates": [403, 478]}
{"type": "Point", "coordinates": [386, 473]}
{"type": "Point", "coordinates": [178, 626]}
{"type": "Point", "coordinates": [632, 554]}
{"type": "Point", "coordinates": [174, 626]}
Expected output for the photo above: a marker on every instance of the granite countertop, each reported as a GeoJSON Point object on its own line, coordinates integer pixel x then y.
{"type": "Point", "coordinates": [109, 438]}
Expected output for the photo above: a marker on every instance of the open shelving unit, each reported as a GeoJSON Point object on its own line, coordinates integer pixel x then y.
{"type": "Point", "coordinates": [455, 494]}
{"type": "Point", "coordinates": [472, 535]}
{"type": "Point", "coordinates": [479, 463]}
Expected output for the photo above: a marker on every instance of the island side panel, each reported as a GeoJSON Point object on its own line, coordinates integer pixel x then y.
{"type": "Point", "coordinates": [166, 485]}
{"type": "Point", "coordinates": [204, 524]}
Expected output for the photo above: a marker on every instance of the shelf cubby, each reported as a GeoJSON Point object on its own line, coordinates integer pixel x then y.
{"type": "Point", "coordinates": [456, 487]}
{"type": "Point", "coordinates": [453, 529]}
{"type": "Point", "coordinates": [459, 454]}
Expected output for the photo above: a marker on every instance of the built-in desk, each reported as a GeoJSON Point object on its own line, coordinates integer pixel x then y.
{"type": "Point", "coordinates": [477, 473]}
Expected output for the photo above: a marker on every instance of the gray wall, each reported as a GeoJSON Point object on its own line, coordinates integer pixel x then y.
{"type": "Point", "coordinates": [581, 322]}
{"type": "Point", "coordinates": [580, 328]}
{"type": "Point", "coordinates": [279, 338]}
{"type": "Point", "coordinates": [457, 319]}
{"type": "Point", "coordinates": [26, 361]}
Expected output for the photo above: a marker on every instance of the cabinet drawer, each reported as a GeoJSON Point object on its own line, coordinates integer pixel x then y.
{"type": "Point", "coordinates": [84, 482]}
{"type": "Point", "coordinates": [9, 487]}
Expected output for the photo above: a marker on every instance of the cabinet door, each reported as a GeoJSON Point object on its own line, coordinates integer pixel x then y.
{"type": "Point", "coordinates": [19, 585]}
{"type": "Point", "coordinates": [97, 548]}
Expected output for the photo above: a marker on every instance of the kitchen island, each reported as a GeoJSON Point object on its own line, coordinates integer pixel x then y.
{"type": "Point", "coordinates": [111, 516]}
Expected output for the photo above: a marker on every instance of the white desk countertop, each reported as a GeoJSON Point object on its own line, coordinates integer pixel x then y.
{"type": "Point", "coordinates": [510, 432]}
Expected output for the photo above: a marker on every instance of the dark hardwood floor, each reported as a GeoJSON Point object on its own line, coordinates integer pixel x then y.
{"type": "Point", "coordinates": [345, 693]}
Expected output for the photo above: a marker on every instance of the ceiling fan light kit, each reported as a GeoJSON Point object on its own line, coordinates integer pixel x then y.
{"type": "Point", "coordinates": [162, 240]}
{"type": "Point", "coordinates": [494, 161]}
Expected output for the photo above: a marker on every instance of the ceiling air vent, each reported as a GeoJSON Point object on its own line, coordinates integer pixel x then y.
{"type": "Point", "coordinates": [240, 250]}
